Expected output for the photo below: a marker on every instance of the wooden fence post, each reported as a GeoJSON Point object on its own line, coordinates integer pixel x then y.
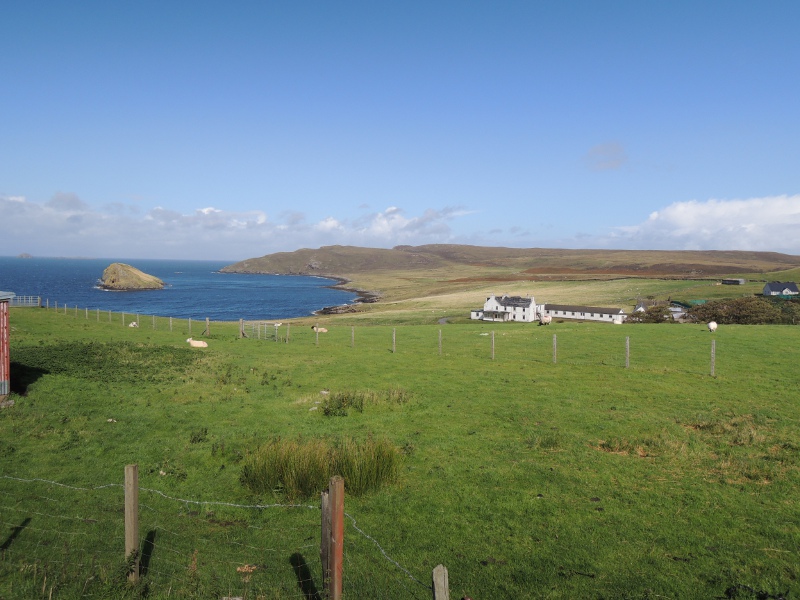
{"type": "Point", "coordinates": [440, 342]}
{"type": "Point", "coordinates": [394, 339]}
{"type": "Point", "coordinates": [123, 319]}
{"type": "Point", "coordinates": [138, 320]}
{"type": "Point", "coordinates": [335, 558]}
{"type": "Point", "coordinates": [109, 315]}
{"type": "Point", "coordinates": [98, 314]}
{"type": "Point", "coordinates": [154, 322]}
{"type": "Point", "coordinates": [441, 588]}
{"type": "Point", "coordinates": [325, 538]}
{"type": "Point", "coordinates": [316, 330]}
{"type": "Point", "coordinates": [713, 356]}
{"type": "Point", "coordinates": [132, 518]}
{"type": "Point", "coordinates": [170, 324]}
{"type": "Point", "coordinates": [241, 328]}
{"type": "Point", "coordinates": [87, 313]}
{"type": "Point", "coordinates": [627, 352]}
{"type": "Point", "coordinates": [76, 311]}
{"type": "Point", "coordinates": [288, 325]}
{"type": "Point", "coordinates": [190, 326]}
{"type": "Point", "coordinates": [48, 304]}
{"type": "Point", "coordinates": [208, 327]}
{"type": "Point", "coordinates": [555, 346]}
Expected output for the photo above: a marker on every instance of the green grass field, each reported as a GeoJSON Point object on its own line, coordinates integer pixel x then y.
{"type": "Point", "coordinates": [527, 479]}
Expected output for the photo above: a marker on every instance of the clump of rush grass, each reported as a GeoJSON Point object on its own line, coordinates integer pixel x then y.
{"type": "Point", "coordinates": [302, 468]}
{"type": "Point", "coordinates": [337, 404]}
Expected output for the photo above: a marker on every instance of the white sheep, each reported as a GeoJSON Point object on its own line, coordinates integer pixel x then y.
{"type": "Point", "coordinates": [133, 324]}
{"type": "Point", "coordinates": [545, 320]}
{"type": "Point", "coordinates": [319, 329]}
{"type": "Point", "coordinates": [712, 326]}
{"type": "Point", "coordinates": [197, 343]}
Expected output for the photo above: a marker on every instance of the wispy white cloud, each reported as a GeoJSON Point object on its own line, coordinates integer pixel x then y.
{"type": "Point", "coordinates": [768, 224]}
{"type": "Point", "coordinates": [605, 157]}
{"type": "Point", "coordinates": [66, 226]}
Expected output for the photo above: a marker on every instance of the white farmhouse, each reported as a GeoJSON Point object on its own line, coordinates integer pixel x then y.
{"type": "Point", "coordinates": [507, 308]}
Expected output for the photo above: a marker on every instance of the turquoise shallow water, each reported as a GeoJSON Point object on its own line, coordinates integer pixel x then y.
{"type": "Point", "coordinates": [194, 289]}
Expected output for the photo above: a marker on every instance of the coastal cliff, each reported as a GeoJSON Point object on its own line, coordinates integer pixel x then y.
{"type": "Point", "coordinates": [122, 277]}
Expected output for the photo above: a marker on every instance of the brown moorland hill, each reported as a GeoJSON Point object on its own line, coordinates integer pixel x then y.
{"type": "Point", "coordinates": [518, 263]}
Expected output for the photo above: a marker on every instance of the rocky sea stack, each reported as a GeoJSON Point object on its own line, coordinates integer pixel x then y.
{"type": "Point", "coordinates": [122, 277]}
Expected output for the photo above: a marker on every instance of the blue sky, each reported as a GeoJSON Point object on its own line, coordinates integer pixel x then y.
{"type": "Point", "coordinates": [232, 130]}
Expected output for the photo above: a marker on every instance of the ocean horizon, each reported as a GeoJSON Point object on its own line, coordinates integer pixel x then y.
{"type": "Point", "coordinates": [193, 289]}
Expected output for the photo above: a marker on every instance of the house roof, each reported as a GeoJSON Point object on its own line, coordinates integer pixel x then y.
{"type": "Point", "coordinates": [514, 301]}
{"type": "Point", "coordinates": [778, 286]}
{"type": "Point", "coordinates": [589, 309]}
{"type": "Point", "coordinates": [6, 296]}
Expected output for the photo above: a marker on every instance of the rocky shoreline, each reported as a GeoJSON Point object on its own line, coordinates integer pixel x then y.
{"type": "Point", "coordinates": [363, 297]}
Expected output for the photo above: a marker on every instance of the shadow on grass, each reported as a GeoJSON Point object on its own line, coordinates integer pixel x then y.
{"type": "Point", "coordinates": [15, 531]}
{"type": "Point", "coordinates": [304, 579]}
{"type": "Point", "coordinates": [147, 552]}
{"type": "Point", "coordinates": [22, 376]}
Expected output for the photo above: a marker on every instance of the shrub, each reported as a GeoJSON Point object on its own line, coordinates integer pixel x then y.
{"type": "Point", "coordinates": [338, 403]}
{"type": "Point", "coordinates": [301, 468]}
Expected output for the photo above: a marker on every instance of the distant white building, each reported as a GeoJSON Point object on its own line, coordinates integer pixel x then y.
{"type": "Point", "coordinates": [778, 288]}
{"type": "Point", "coordinates": [507, 308]}
{"type": "Point", "coordinates": [584, 313]}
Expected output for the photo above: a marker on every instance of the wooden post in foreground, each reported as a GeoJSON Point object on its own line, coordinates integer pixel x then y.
{"type": "Point", "coordinates": [316, 330]}
{"type": "Point", "coordinates": [288, 325]}
{"type": "Point", "coordinates": [352, 337]}
{"type": "Point", "coordinates": [441, 588]}
{"type": "Point", "coordinates": [241, 328]}
{"type": "Point", "coordinates": [333, 538]}
{"type": "Point", "coordinates": [394, 339]}
{"type": "Point", "coordinates": [123, 319]}
{"type": "Point", "coordinates": [554, 348]}
{"type": "Point", "coordinates": [170, 324]}
{"type": "Point", "coordinates": [132, 518]}
{"type": "Point", "coordinates": [440, 342]}
{"type": "Point", "coordinates": [208, 327]}
{"type": "Point", "coordinates": [190, 326]}
{"type": "Point", "coordinates": [492, 345]}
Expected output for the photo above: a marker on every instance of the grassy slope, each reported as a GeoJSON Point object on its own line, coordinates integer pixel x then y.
{"type": "Point", "coordinates": [454, 279]}
{"type": "Point", "coordinates": [526, 478]}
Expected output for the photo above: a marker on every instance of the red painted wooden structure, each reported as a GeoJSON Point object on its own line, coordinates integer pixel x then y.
{"type": "Point", "coordinates": [5, 359]}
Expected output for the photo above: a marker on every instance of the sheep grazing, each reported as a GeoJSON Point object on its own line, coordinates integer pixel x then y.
{"type": "Point", "coordinates": [133, 324]}
{"type": "Point", "coordinates": [712, 326]}
{"type": "Point", "coordinates": [197, 343]}
{"type": "Point", "coordinates": [319, 329]}
{"type": "Point", "coordinates": [545, 320]}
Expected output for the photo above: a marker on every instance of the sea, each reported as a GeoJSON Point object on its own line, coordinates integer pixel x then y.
{"type": "Point", "coordinates": [194, 289]}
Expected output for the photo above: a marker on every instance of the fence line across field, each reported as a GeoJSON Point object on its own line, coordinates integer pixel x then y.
{"type": "Point", "coordinates": [270, 330]}
{"type": "Point", "coordinates": [228, 540]}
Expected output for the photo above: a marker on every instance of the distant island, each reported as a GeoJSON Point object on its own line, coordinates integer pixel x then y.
{"type": "Point", "coordinates": [122, 277]}
{"type": "Point", "coordinates": [24, 255]}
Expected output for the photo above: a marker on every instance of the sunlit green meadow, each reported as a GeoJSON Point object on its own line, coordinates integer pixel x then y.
{"type": "Point", "coordinates": [527, 478]}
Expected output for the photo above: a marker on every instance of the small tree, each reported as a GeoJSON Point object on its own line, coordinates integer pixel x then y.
{"type": "Point", "coordinates": [652, 314]}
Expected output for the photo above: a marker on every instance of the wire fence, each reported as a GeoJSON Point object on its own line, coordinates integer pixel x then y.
{"type": "Point", "coordinates": [530, 344]}
{"type": "Point", "coordinates": [62, 541]}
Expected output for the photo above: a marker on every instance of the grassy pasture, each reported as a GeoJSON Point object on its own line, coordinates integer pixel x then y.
{"type": "Point", "coordinates": [527, 479]}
